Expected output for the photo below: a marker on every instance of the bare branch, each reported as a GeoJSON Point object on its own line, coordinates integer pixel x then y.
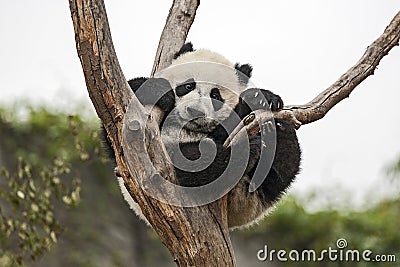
{"type": "Point", "coordinates": [251, 124]}
{"type": "Point", "coordinates": [320, 105]}
{"type": "Point", "coordinates": [210, 220]}
{"type": "Point", "coordinates": [188, 233]}
{"type": "Point", "coordinates": [179, 20]}
{"type": "Point", "coordinates": [341, 89]}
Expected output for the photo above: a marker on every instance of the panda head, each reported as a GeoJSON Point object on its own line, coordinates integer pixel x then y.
{"type": "Point", "coordinates": [206, 86]}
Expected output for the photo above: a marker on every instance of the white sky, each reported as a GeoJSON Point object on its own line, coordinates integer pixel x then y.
{"type": "Point", "coordinates": [297, 49]}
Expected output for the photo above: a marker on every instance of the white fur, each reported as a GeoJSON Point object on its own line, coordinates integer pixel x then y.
{"type": "Point", "coordinates": [203, 66]}
{"type": "Point", "coordinates": [244, 208]}
{"type": "Point", "coordinates": [202, 55]}
{"type": "Point", "coordinates": [132, 203]}
{"type": "Point", "coordinates": [209, 70]}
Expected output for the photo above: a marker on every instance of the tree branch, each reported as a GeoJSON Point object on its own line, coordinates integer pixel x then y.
{"type": "Point", "coordinates": [318, 107]}
{"type": "Point", "coordinates": [187, 232]}
{"type": "Point", "coordinates": [180, 19]}
{"type": "Point", "coordinates": [341, 89]}
{"type": "Point", "coordinates": [195, 236]}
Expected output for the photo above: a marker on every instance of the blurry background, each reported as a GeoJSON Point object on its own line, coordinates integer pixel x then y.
{"type": "Point", "coordinates": [348, 186]}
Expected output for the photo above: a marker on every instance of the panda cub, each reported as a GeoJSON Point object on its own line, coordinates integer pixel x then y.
{"type": "Point", "coordinates": [198, 101]}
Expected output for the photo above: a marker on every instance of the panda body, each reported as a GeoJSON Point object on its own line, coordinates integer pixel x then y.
{"type": "Point", "coordinates": [200, 98]}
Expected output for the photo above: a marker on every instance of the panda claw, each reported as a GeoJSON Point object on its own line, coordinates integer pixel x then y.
{"type": "Point", "coordinates": [263, 143]}
{"type": "Point", "coordinates": [261, 99]}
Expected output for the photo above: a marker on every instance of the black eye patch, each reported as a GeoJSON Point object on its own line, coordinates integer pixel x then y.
{"type": "Point", "coordinates": [216, 98]}
{"type": "Point", "coordinates": [185, 87]}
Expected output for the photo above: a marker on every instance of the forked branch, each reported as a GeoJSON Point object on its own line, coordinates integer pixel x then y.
{"type": "Point", "coordinates": [188, 233]}
{"type": "Point", "coordinates": [195, 236]}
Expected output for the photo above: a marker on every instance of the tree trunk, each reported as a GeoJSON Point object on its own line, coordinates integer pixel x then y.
{"type": "Point", "coordinates": [195, 236]}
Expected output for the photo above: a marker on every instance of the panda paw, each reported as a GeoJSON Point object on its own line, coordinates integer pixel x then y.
{"type": "Point", "coordinates": [256, 98]}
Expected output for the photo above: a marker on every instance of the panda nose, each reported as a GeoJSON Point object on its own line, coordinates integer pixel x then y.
{"type": "Point", "coordinates": [195, 113]}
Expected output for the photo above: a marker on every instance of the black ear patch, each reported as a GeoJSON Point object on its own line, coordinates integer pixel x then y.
{"type": "Point", "coordinates": [243, 72]}
{"type": "Point", "coordinates": [188, 47]}
{"type": "Point", "coordinates": [136, 83]}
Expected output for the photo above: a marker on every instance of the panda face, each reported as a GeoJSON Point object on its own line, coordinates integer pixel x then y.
{"type": "Point", "coordinates": [206, 87]}
{"type": "Point", "coordinates": [201, 106]}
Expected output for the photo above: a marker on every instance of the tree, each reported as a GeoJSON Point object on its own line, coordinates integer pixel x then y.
{"type": "Point", "coordinates": [185, 231]}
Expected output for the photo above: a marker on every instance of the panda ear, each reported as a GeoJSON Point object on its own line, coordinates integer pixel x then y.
{"type": "Point", "coordinates": [243, 72]}
{"type": "Point", "coordinates": [188, 47]}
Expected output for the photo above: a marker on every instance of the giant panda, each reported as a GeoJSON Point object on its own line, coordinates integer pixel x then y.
{"type": "Point", "coordinates": [208, 105]}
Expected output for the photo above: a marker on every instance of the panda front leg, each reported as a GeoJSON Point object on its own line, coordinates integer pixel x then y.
{"type": "Point", "coordinates": [286, 163]}
{"type": "Point", "coordinates": [245, 207]}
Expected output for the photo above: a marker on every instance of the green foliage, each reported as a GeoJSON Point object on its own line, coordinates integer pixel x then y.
{"type": "Point", "coordinates": [45, 145]}
{"type": "Point", "coordinates": [28, 223]}
{"type": "Point", "coordinates": [393, 175]}
{"type": "Point", "coordinates": [40, 135]}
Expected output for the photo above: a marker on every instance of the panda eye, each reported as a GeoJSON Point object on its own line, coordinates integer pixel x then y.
{"type": "Point", "coordinates": [185, 87]}
{"type": "Point", "coordinates": [190, 86]}
{"type": "Point", "coordinates": [218, 100]}
{"type": "Point", "coordinates": [215, 94]}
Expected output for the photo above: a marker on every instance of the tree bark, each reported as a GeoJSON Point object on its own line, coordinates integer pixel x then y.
{"type": "Point", "coordinates": [318, 107]}
{"type": "Point", "coordinates": [179, 20]}
{"type": "Point", "coordinates": [195, 236]}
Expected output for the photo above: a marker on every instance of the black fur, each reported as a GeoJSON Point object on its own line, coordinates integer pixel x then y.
{"type": "Point", "coordinates": [136, 83]}
{"type": "Point", "coordinates": [255, 98]}
{"type": "Point", "coordinates": [247, 102]}
{"type": "Point", "coordinates": [188, 47]}
{"type": "Point", "coordinates": [287, 155]}
{"type": "Point", "coordinates": [185, 88]}
{"type": "Point", "coordinates": [108, 149]}
{"type": "Point", "coordinates": [286, 164]}
{"type": "Point", "coordinates": [192, 152]}
{"type": "Point", "coordinates": [155, 91]}
{"type": "Point", "coordinates": [244, 72]}
{"type": "Point", "coordinates": [217, 100]}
